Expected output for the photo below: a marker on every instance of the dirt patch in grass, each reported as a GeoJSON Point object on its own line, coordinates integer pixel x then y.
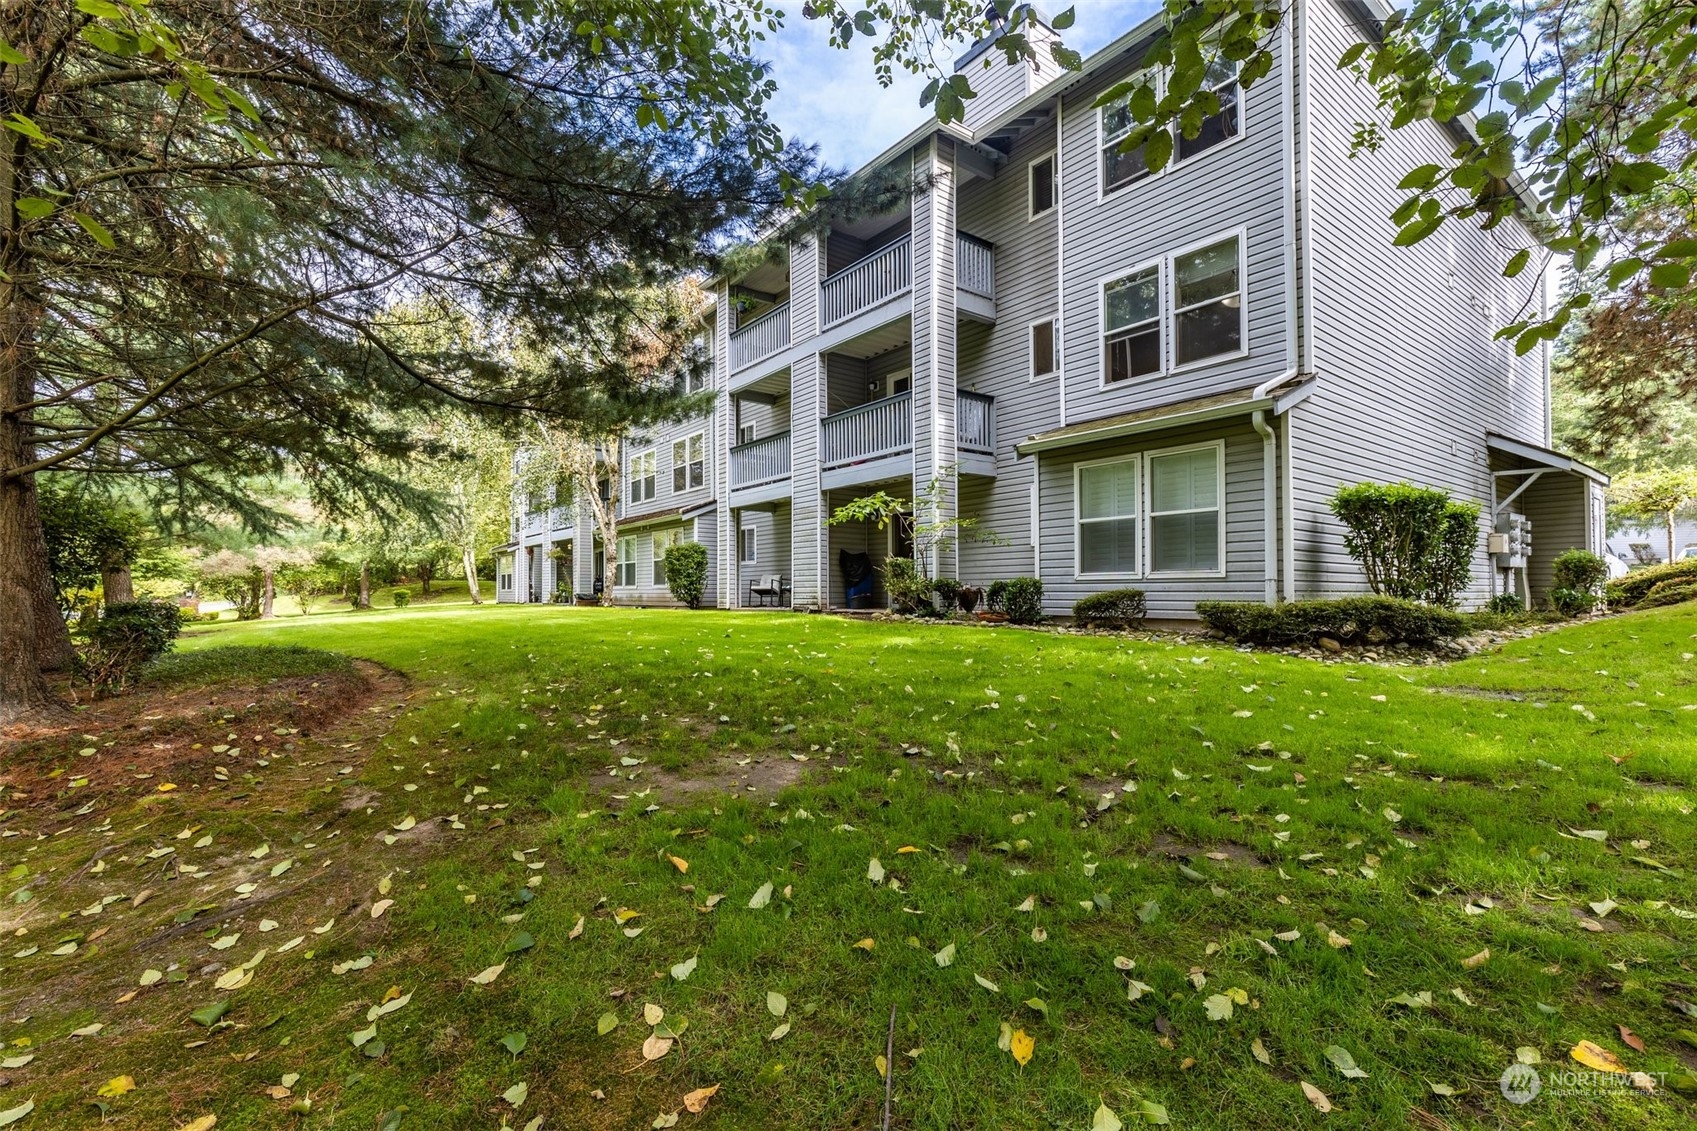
{"type": "Point", "coordinates": [764, 776]}
{"type": "Point", "coordinates": [1164, 844]}
{"type": "Point", "coordinates": [159, 740]}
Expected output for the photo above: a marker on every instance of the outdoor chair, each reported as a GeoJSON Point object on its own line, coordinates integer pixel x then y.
{"type": "Point", "coordinates": [773, 586]}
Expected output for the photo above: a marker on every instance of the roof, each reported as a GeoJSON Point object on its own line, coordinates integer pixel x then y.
{"type": "Point", "coordinates": [1217, 406]}
{"type": "Point", "coordinates": [1546, 457]}
{"type": "Point", "coordinates": [505, 548]}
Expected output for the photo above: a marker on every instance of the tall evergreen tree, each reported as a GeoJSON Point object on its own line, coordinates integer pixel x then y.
{"type": "Point", "coordinates": [206, 207]}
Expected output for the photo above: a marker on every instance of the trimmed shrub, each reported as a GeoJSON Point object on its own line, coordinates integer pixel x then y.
{"type": "Point", "coordinates": [1669, 593]}
{"type": "Point", "coordinates": [1580, 569]}
{"type": "Point", "coordinates": [1413, 543]}
{"type": "Point", "coordinates": [996, 597]}
{"type": "Point", "coordinates": [1372, 620]}
{"type": "Point", "coordinates": [1022, 600]}
{"type": "Point", "coordinates": [1572, 602]}
{"type": "Point", "coordinates": [1505, 605]}
{"type": "Point", "coordinates": [686, 572]}
{"type": "Point", "coordinates": [127, 635]}
{"type": "Point", "coordinates": [400, 597]}
{"type": "Point", "coordinates": [909, 592]}
{"type": "Point", "coordinates": [1635, 586]}
{"type": "Point", "coordinates": [1114, 608]}
{"type": "Point", "coordinates": [947, 590]}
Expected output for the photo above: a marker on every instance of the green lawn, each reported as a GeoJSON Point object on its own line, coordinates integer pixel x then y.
{"type": "Point", "coordinates": [1044, 809]}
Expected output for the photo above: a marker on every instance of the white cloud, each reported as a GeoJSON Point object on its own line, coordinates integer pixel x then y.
{"type": "Point", "coordinates": [831, 98]}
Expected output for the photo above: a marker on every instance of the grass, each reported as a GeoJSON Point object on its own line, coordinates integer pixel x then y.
{"type": "Point", "coordinates": [1425, 814]}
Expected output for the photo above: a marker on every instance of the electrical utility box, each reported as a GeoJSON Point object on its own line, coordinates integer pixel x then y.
{"type": "Point", "coordinates": [1511, 545]}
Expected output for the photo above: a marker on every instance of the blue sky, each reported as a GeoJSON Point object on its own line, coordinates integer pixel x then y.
{"type": "Point", "coordinates": [831, 97]}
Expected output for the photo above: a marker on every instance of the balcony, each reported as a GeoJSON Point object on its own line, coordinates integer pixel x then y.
{"type": "Point", "coordinates": [760, 470]}
{"type": "Point", "coordinates": [975, 278]}
{"type": "Point", "coordinates": [874, 441]}
{"type": "Point", "coordinates": [975, 433]}
{"type": "Point", "coordinates": [861, 286]}
{"type": "Point", "coordinates": [761, 338]}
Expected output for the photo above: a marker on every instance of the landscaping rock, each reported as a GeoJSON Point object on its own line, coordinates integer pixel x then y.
{"type": "Point", "coordinates": [1330, 645]}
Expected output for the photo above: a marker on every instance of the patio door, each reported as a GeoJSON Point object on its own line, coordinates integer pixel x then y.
{"type": "Point", "coordinates": [901, 536]}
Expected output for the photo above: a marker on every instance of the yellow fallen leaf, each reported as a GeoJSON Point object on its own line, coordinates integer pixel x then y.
{"type": "Point", "coordinates": [117, 1086]}
{"type": "Point", "coordinates": [865, 944]}
{"type": "Point", "coordinates": [905, 849]}
{"type": "Point", "coordinates": [204, 1123]}
{"type": "Point", "coordinates": [484, 977]}
{"type": "Point", "coordinates": [696, 1101]}
{"type": "Point", "coordinates": [624, 915]}
{"type": "Point", "coordinates": [681, 865]}
{"type": "Point", "coordinates": [1022, 1045]}
{"type": "Point", "coordinates": [882, 1065]}
{"type": "Point", "coordinates": [1473, 962]}
{"type": "Point", "coordinates": [1595, 1056]}
{"type": "Point", "coordinates": [1316, 1097]}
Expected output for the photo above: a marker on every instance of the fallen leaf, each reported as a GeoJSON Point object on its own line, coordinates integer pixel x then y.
{"type": "Point", "coordinates": [488, 974]}
{"type": "Point", "coordinates": [875, 871]}
{"type": "Point", "coordinates": [946, 956]}
{"type": "Point", "coordinates": [1473, 962]}
{"type": "Point", "coordinates": [1631, 1038]}
{"type": "Point", "coordinates": [656, 1047]}
{"type": "Point", "coordinates": [117, 1086]}
{"type": "Point", "coordinates": [13, 1114]}
{"type": "Point", "coordinates": [776, 1003]}
{"type": "Point", "coordinates": [696, 1101]}
{"type": "Point", "coordinates": [866, 945]}
{"type": "Point", "coordinates": [1218, 1007]}
{"type": "Point", "coordinates": [1105, 1120]}
{"type": "Point", "coordinates": [679, 863]}
{"type": "Point", "coordinates": [683, 970]}
{"type": "Point", "coordinates": [762, 896]}
{"type": "Point", "coordinates": [517, 1094]}
{"type": "Point", "coordinates": [382, 905]}
{"type": "Point", "coordinates": [1260, 1051]}
{"type": "Point", "coordinates": [1595, 1056]}
{"type": "Point", "coordinates": [1316, 1097]}
{"type": "Point", "coordinates": [1344, 1062]}
{"type": "Point", "coordinates": [987, 983]}
{"type": "Point", "coordinates": [607, 1023]}
{"type": "Point", "coordinates": [652, 1014]}
{"type": "Point", "coordinates": [1022, 1045]}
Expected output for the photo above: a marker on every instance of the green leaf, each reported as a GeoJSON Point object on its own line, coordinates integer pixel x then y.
{"type": "Point", "coordinates": [1158, 151]}
{"type": "Point", "coordinates": [1149, 911]}
{"type": "Point", "coordinates": [1105, 1119]}
{"type": "Point", "coordinates": [515, 1042]}
{"type": "Point", "coordinates": [1063, 21]}
{"type": "Point", "coordinates": [96, 230]}
{"type": "Point", "coordinates": [33, 207]}
{"type": "Point", "coordinates": [1344, 1062]}
{"type": "Point", "coordinates": [1351, 55]}
{"type": "Point", "coordinates": [776, 1003]}
{"type": "Point", "coordinates": [520, 941]}
{"type": "Point", "coordinates": [1672, 276]}
{"type": "Point", "coordinates": [10, 54]}
{"type": "Point", "coordinates": [19, 123]}
{"type": "Point", "coordinates": [1677, 249]}
{"type": "Point", "coordinates": [209, 1015]}
{"type": "Point", "coordinates": [13, 1114]}
{"type": "Point", "coordinates": [1623, 269]}
{"type": "Point", "coordinates": [1517, 263]}
{"type": "Point", "coordinates": [104, 9]}
{"type": "Point", "coordinates": [945, 957]}
{"type": "Point", "coordinates": [761, 897]}
{"type": "Point", "coordinates": [607, 1023]}
{"type": "Point", "coordinates": [1421, 177]}
{"type": "Point", "coordinates": [1152, 1112]}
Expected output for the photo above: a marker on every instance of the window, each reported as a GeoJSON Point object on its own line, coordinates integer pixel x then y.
{"type": "Point", "coordinates": [563, 492]}
{"type": "Point", "coordinates": [1221, 125]}
{"type": "Point", "coordinates": [1042, 348]}
{"type": "Point", "coordinates": [641, 487]}
{"type": "Point", "coordinates": [688, 470]}
{"type": "Point", "coordinates": [1117, 123]}
{"type": "Point", "coordinates": [1131, 325]}
{"type": "Point", "coordinates": [627, 562]}
{"type": "Point", "coordinates": [535, 499]}
{"type": "Point", "coordinates": [748, 544]}
{"type": "Point", "coordinates": [1184, 511]}
{"type": "Point", "coordinates": [745, 434]}
{"type": "Point", "coordinates": [1043, 186]}
{"type": "Point", "coordinates": [1208, 305]}
{"type": "Point", "coordinates": [660, 544]}
{"type": "Point", "coordinates": [1107, 517]}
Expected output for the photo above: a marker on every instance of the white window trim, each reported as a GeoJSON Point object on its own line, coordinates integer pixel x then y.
{"type": "Point", "coordinates": [1167, 320]}
{"type": "Point", "coordinates": [1102, 331]}
{"type": "Point", "coordinates": [1055, 173]}
{"type": "Point", "coordinates": [685, 441]}
{"type": "Point", "coordinates": [1146, 502]}
{"type": "Point", "coordinates": [626, 561]}
{"type": "Point", "coordinates": [1103, 193]}
{"type": "Point", "coordinates": [1054, 321]}
{"type": "Point", "coordinates": [1144, 515]}
{"type": "Point", "coordinates": [753, 533]}
{"type": "Point", "coordinates": [1136, 459]}
{"type": "Point", "coordinates": [753, 431]}
{"type": "Point", "coordinates": [647, 455]}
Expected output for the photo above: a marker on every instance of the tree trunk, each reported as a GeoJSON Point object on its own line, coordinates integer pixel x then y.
{"type": "Point", "coordinates": [426, 571]}
{"type": "Point", "coordinates": [268, 594]}
{"type": "Point", "coordinates": [115, 582]}
{"type": "Point", "coordinates": [365, 585]}
{"type": "Point", "coordinates": [468, 558]}
{"type": "Point", "coordinates": [1669, 519]}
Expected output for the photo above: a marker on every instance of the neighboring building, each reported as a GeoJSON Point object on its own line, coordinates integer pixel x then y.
{"type": "Point", "coordinates": [1645, 544]}
{"type": "Point", "coordinates": [1151, 380]}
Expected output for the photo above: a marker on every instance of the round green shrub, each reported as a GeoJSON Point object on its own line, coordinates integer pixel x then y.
{"type": "Point", "coordinates": [1112, 608]}
{"type": "Point", "coordinates": [1581, 570]}
{"type": "Point", "coordinates": [401, 597]}
{"type": "Point", "coordinates": [1022, 600]}
{"type": "Point", "coordinates": [686, 572]}
{"type": "Point", "coordinates": [947, 590]}
{"type": "Point", "coordinates": [1505, 604]}
{"type": "Point", "coordinates": [909, 592]}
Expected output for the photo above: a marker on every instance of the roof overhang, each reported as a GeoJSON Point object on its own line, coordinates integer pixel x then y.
{"type": "Point", "coordinates": [1178, 414]}
{"type": "Point", "coordinates": [1543, 457]}
{"type": "Point", "coordinates": [699, 509]}
{"type": "Point", "coordinates": [507, 548]}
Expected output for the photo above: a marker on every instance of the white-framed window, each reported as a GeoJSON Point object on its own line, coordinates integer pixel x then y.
{"type": "Point", "coordinates": [660, 544]}
{"type": "Point", "coordinates": [1208, 316]}
{"type": "Point", "coordinates": [1105, 501]}
{"type": "Point", "coordinates": [1042, 186]}
{"type": "Point", "coordinates": [1044, 352]}
{"type": "Point", "coordinates": [748, 544]}
{"type": "Point", "coordinates": [1187, 530]}
{"type": "Point", "coordinates": [1185, 309]}
{"type": "Point", "coordinates": [640, 483]}
{"type": "Point", "coordinates": [627, 562]}
{"type": "Point", "coordinates": [746, 434]}
{"type": "Point", "coordinates": [1220, 126]}
{"type": "Point", "coordinates": [689, 468]}
{"type": "Point", "coordinates": [1131, 325]}
{"type": "Point", "coordinates": [1114, 123]}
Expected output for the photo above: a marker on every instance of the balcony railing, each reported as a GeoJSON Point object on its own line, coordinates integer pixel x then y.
{"type": "Point", "coordinates": [763, 337]}
{"type": "Point", "coordinates": [867, 432]}
{"type": "Point", "coordinates": [975, 422]}
{"type": "Point", "coordinates": [860, 286]}
{"type": "Point", "coordinates": [975, 265]}
{"type": "Point", "coordinates": [765, 460]}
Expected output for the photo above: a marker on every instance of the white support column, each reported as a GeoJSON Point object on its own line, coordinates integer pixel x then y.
{"type": "Point", "coordinates": [521, 574]}
{"type": "Point", "coordinates": [934, 438]}
{"type": "Point", "coordinates": [808, 540]}
{"type": "Point", "coordinates": [723, 438]}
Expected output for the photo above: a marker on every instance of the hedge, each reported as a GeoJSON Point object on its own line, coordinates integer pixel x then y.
{"type": "Point", "coordinates": [1022, 600]}
{"type": "Point", "coordinates": [1377, 620]}
{"type": "Point", "coordinates": [686, 572]}
{"type": "Point", "coordinates": [1635, 586]}
{"type": "Point", "coordinates": [1673, 592]}
{"type": "Point", "coordinates": [1113, 608]}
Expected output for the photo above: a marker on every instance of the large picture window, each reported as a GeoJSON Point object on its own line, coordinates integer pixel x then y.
{"type": "Point", "coordinates": [1131, 325]}
{"type": "Point", "coordinates": [1208, 305]}
{"type": "Point", "coordinates": [641, 488]}
{"type": "Point", "coordinates": [1107, 518]}
{"type": "Point", "coordinates": [1184, 511]}
{"type": "Point", "coordinates": [689, 468]}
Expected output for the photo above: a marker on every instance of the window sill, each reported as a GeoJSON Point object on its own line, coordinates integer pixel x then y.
{"type": "Point", "coordinates": [1187, 367]}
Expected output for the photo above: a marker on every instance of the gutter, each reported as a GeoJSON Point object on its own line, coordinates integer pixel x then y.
{"type": "Point", "coordinates": [1269, 506]}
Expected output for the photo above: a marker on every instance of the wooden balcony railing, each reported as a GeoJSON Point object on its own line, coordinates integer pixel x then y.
{"type": "Point", "coordinates": [867, 432]}
{"type": "Point", "coordinates": [975, 422]}
{"type": "Point", "coordinates": [975, 265]}
{"type": "Point", "coordinates": [765, 460]}
{"type": "Point", "coordinates": [860, 286]}
{"type": "Point", "coordinates": [761, 338]}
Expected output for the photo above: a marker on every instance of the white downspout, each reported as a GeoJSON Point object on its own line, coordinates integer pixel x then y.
{"type": "Point", "coordinates": [1060, 253]}
{"type": "Point", "coordinates": [1269, 505]}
